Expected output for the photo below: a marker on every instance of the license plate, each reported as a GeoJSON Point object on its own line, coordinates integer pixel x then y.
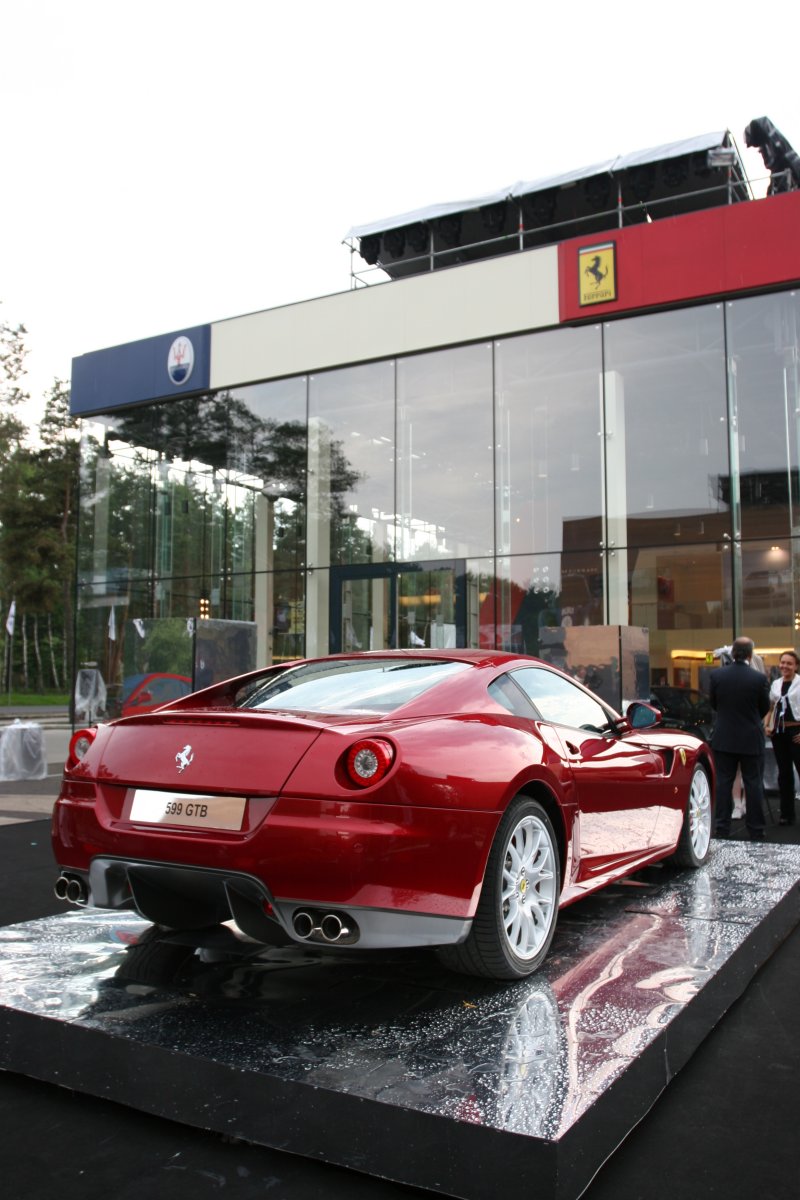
{"type": "Point", "coordinates": [196, 812]}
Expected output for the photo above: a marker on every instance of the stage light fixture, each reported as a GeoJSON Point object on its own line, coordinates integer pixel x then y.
{"type": "Point", "coordinates": [782, 162]}
{"type": "Point", "coordinates": [597, 191]}
{"type": "Point", "coordinates": [417, 237]}
{"type": "Point", "coordinates": [641, 180]}
{"type": "Point", "coordinates": [539, 208]}
{"type": "Point", "coordinates": [721, 156]}
{"type": "Point", "coordinates": [394, 242]}
{"type": "Point", "coordinates": [370, 248]}
{"type": "Point", "coordinates": [493, 217]}
{"type": "Point", "coordinates": [700, 164]}
{"type": "Point", "coordinates": [675, 172]}
{"type": "Point", "coordinates": [449, 229]}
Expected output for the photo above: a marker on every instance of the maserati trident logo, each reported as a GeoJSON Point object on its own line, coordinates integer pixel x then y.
{"type": "Point", "coordinates": [180, 360]}
{"type": "Point", "coordinates": [184, 757]}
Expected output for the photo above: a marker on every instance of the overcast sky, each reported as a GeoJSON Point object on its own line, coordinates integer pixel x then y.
{"type": "Point", "coordinates": [173, 162]}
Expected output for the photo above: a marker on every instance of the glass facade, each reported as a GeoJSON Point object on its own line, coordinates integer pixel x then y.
{"type": "Point", "coordinates": [639, 472]}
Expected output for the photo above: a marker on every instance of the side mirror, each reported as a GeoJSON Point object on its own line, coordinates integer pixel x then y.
{"type": "Point", "coordinates": [642, 716]}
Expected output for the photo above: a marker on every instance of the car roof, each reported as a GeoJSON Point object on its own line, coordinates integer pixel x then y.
{"type": "Point", "coordinates": [481, 658]}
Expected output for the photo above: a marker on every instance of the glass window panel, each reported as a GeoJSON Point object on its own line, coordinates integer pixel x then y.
{"type": "Point", "coordinates": [427, 609]}
{"type": "Point", "coordinates": [181, 597]}
{"type": "Point", "coordinates": [764, 358]}
{"type": "Point", "coordinates": [537, 593]}
{"type": "Point", "coordinates": [481, 601]}
{"type": "Point", "coordinates": [683, 595]}
{"type": "Point", "coordinates": [240, 598]}
{"type": "Point", "coordinates": [445, 469]}
{"type": "Point", "coordinates": [351, 454]}
{"type": "Point", "coordinates": [102, 623]}
{"type": "Point", "coordinates": [116, 507]}
{"type": "Point", "coordinates": [666, 446]}
{"type": "Point", "coordinates": [267, 454]}
{"type": "Point", "coordinates": [549, 475]}
{"type": "Point", "coordinates": [288, 608]}
{"type": "Point", "coordinates": [771, 591]}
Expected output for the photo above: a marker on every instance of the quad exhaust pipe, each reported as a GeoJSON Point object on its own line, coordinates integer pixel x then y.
{"type": "Point", "coordinates": [329, 927]}
{"type": "Point", "coordinates": [71, 888]}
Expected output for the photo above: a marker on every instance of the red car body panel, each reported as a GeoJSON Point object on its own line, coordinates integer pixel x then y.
{"type": "Point", "coordinates": [415, 842]}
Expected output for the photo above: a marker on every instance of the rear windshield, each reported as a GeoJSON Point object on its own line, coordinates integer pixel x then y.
{"type": "Point", "coordinates": [351, 685]}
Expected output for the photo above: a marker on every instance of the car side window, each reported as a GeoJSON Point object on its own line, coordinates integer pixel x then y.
{"type": "Point", "coordinates": [560, 701]}
{"type": "Point", "coordinates": [504, 691]}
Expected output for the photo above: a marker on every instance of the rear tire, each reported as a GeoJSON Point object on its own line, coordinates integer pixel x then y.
{"type": "Point", "coordinates": [694, 843]}
{"type": "Point", "coordinates": [518, 908]}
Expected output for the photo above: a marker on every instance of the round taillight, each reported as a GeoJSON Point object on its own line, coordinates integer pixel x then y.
{"type": "Point", "coordinates": [368, 761]}
{"type": "Point", "coordinates": [79, 744]}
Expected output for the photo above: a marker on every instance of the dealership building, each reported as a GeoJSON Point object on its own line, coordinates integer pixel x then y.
{"type": "Point", "coordinates": [572, 403]}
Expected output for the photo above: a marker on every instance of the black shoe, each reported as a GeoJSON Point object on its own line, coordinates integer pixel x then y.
{"type": "Point", "coordinates": [757, 835]}
{"type": "Point", "coordinates": [720, 835]}
{"type": "Point", "coordinates": [786, 821]}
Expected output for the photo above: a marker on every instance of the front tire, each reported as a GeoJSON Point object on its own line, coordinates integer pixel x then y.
{"type": "Point", "coordinates": [518, 908]}
{"type": "Point", "coordinates": [694, 842]}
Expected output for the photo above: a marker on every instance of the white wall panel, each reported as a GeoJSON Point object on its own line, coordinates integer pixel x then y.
{"type": "Point", "coordinates": [481, 300]}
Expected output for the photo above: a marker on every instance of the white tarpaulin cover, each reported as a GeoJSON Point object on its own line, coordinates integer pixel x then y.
{"type": "Point", "coordinates": [613, 166]}
{"type": "Point", "coordinates": [22, 751]}
{"type": "Point", "coordinates": [90, 695]}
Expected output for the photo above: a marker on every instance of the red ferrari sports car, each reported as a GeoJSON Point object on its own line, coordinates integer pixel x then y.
{"type": "Point", "coordinates": [453, 799]}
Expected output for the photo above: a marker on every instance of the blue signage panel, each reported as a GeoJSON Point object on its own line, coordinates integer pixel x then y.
{"type": "Point", "coordinates": [172, 364]}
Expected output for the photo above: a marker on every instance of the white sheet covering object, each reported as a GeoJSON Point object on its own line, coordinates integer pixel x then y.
{"type": "Point", "coordinates": [22, 751]}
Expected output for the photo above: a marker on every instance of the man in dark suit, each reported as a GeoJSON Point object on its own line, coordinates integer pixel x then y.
{"type": "Point", "coordinates": [740, 696]}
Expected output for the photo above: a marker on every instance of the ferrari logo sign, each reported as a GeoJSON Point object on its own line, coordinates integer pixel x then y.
{"type": "Point", "coordinates": [184, 758]}
{"type": "Point", "coordinates": [597, 274]}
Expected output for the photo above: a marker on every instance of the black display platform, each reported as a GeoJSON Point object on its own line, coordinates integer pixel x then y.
{"type": "Point", "coordinates": [386, 1063]}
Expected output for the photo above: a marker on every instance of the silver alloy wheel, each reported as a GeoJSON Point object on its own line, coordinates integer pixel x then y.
{"type": "Point", "coordinates": [529, 899]}
{"type": "Point", "coordinates": [700, 813]}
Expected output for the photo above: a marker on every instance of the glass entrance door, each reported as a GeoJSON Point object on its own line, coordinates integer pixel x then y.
{"type": "Point", "coordinates": [386, 606]}
{"type": "Point", "coordinates": [426, 609]}
{"type": "Point", "coordinates": [366, 616]}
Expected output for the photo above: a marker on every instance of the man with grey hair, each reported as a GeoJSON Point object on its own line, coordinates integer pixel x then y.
{"type": "Point", "coordinates": [740, 698]}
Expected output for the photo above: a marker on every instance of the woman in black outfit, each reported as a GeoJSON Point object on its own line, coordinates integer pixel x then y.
{"type": "Point", "coordinates": [784, 722]}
